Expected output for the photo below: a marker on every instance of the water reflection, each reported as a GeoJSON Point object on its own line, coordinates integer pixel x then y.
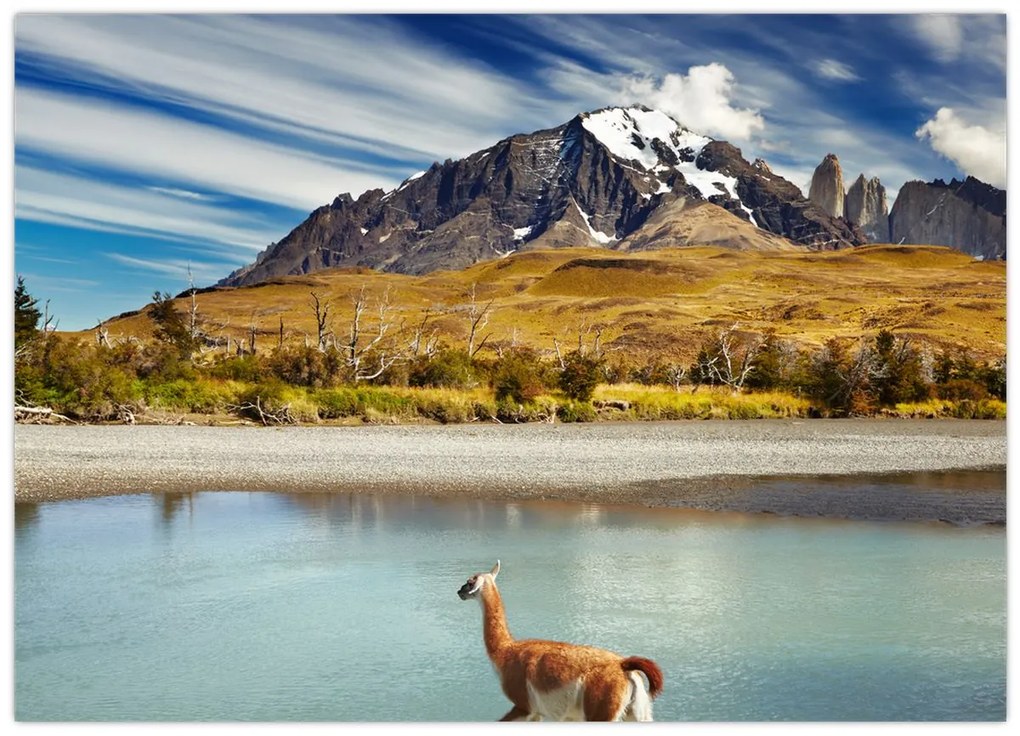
{"type": "Point", "coordinates": [171, 505]}
{"type": "Point", "coordinates": [26, 516]}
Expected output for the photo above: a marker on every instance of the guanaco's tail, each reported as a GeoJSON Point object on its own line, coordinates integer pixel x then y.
{"type": "Point", "coordinates": [649, 668]}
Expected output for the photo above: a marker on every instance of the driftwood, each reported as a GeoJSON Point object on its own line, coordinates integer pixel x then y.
{"type": "Point", "coordinates": [280, 416]}
{"type": "Point", "coordinates": [37, 415]}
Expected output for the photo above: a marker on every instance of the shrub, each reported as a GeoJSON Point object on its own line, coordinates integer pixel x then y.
{"type": "Point", "coordinates": [307, 366]}
{"type": "Point", "coordinates": [576, 411]}
{"type": "Point", "coordinates": [446, 369]}
{"type": "Point", "coordinates": [580, 376]}
{"type": "Point", "coordinates": [957, 389]}
{"type": "Point", "coordinates": [336, 403]}
{"type": "Point", "coordinates": [247, 368]}
{"type": "Point", "coordinates": [519, 376]}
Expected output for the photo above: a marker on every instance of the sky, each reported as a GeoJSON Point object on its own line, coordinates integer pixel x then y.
{"type": "Point", "coordinates": [146, 146]}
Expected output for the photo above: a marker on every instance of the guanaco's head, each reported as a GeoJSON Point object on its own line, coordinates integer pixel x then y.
{"type": "Point", "coordinates": [476, 582]}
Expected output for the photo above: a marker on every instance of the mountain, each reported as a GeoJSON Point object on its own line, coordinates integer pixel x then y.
{"type": "Point", "coordinates": [968, 215]}
{"type": "Point", "coordinates": [827, 186]}
{"type": "Point", "coordinates": [596, 180]}
{"type": "Point", "coordinates": [867, 208]}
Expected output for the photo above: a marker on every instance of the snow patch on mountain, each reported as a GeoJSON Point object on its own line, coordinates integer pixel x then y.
{"type": "Point", "coordinates": [636, 134]}
{"type": "Point", "coordinates": [598, 237]}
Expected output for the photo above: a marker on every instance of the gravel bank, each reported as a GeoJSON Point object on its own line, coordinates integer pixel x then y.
{"type": "Point", "coordinates": [700, 464]}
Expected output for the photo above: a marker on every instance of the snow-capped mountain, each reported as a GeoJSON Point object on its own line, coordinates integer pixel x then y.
{"type": "Point", "coordinates": [593, 181]}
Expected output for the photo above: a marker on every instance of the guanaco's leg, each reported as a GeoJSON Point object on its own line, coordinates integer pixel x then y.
{"type": "Point", "coordinates": [516, 714]}
{"type": "Point", "coordinates": [604, 698]}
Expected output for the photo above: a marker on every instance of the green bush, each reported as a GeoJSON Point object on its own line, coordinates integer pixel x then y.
{"type": "Point", "coordinates": [247, 368]}
{"type": "Point", "coordinates": [336, 403]}
{"type": "Point", "coordinates": [576, 411]}
{"type": "Point", "coordinates": [446, 369]}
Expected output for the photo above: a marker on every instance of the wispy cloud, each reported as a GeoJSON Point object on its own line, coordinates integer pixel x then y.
{"type": "Point", "coordinates": [358, 81]}
{"type": "Point", "coordinates": [952, 38]}
{"type": "Point", "coordinates": [834, 70]}
{"type": "Point", "coordinates": [202, 272]}
{"type": "Point", "coordinates": [67, 199]}
{"type": "Point", "coordinates": [941, 33]}
{"type": "Point", "coordinates": [183, 194]}
{"type": "Point", "coordinates": [58, 283]}
{"type": "Point", "coordinates": [161, 147]}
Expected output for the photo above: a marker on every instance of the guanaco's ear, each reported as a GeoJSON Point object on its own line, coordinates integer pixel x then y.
{"type": "Point", "coordinates": [495, 570]}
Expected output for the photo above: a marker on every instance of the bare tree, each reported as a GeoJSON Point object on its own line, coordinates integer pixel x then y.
{"type": "Point", "coordinates": [478, 318]}
{"type": "Point", "coordinates": [253, 329]}
{"type": "Point", "coordinates": [193, 308]}
{"type": "Point", "coordinates": [321, 319]}
{"type": "Point", "coordinates": [279, 345]}
{"type": "Point", "coordinates": [423, 341]}
{"type": "Point", "coordinates": [103, 334]}
{"type": "Point", "coordinates": [730, 357]}
{"type": "Point", "coordinates": [48, 320]}
{"type": "Point", "coordinates": [367, 352]}
{"type": "Point", "coordinates": [676, 374]}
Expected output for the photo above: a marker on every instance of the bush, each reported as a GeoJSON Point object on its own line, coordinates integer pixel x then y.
{"type": "Point", "coordinates": [957, 389]}
{"type": "Point", "coordinates": [75, 380]}
{"type": "Point", "coordinates": [307, 366]}
{"type": "Point", "coordinates": [336, 403]}
{"type": "Point", "coordinates": [519, 376]}
{"type": "Point", "coordinates": [247, 368]}
{"type": "Point", "coordinates": [580, 376]}
{"type": "Point", "coordinates": [576, 411]}
{"type": "Point", "coordinates": [446, 369]}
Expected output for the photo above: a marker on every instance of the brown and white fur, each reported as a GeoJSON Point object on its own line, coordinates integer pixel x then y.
{"type": "Point", "coordinates": [551, 680]}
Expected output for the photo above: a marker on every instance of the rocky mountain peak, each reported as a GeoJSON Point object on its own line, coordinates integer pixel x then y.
{"type": "Point", "coordinates": [967, 215]}
{"type": "Point", "coordinates": [866, 207]}
{"type": "Point", "coordinates": [827, 186]}
{"type": "Point", "coordinates": [594, 181]}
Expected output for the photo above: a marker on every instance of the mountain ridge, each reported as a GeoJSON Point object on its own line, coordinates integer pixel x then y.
{"type": "Point", "coordinates": [592, 181]}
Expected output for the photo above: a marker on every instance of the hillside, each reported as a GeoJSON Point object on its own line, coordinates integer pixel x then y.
{"type": "Point", "coordinates": [654, 302]}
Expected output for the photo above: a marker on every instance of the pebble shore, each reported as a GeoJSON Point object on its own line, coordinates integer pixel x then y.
{"type": "Point", "coordinates": [698, 464]}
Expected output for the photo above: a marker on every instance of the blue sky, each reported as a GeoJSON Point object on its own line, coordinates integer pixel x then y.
{"type": "Point", "coordinates": [146, 144]}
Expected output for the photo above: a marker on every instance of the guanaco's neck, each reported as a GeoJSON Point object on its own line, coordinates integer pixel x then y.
{"type": "Point", "coordinates": [494, 629]}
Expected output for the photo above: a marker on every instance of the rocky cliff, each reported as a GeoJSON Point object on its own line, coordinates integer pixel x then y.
{"type": "Point", "coordinates": [967, 215]}
{"type": "Point", "coordinates": [593, 181]}
{"type": "Point", "coordinates": [827, 186]}
{"type": "Point", "coordinates": [866, 207]}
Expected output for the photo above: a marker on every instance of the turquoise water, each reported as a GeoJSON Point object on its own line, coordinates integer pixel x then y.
{"type": "Point", "coordinates": [273, 607]}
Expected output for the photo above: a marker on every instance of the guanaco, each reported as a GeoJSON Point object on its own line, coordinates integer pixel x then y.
{"type": "Point", "coordinates": [551, 680]}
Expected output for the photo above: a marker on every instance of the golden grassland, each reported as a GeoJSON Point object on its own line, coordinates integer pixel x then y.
{"type": "Point", "coordinates": [647, 304]}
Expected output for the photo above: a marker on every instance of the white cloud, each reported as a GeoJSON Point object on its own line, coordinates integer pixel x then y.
{"type": "Point", "coordinates": [942, 34]}
{"type": "Point", "coordinates": [834, 70]}
{"type": "Point", "coordinates": [975, 149]}
{"type": "Point", "coordinates": [701, 100]}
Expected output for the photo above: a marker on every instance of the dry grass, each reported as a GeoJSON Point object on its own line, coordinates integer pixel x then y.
{"type": "Point", "coordinates": [929, 292]}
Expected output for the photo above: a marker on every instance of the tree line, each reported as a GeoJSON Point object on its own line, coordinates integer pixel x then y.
{"type": "Point", "coordinates": [115, 378]}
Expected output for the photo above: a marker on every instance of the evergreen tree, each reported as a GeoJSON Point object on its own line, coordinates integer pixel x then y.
{"type": "Point", "coordinates": [26, 316]}
{"type": "Point", "coordinates": [171, 326]}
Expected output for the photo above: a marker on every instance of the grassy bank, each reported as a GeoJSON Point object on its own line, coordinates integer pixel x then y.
{"type": "Point", "coordinates": [277, 403]}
